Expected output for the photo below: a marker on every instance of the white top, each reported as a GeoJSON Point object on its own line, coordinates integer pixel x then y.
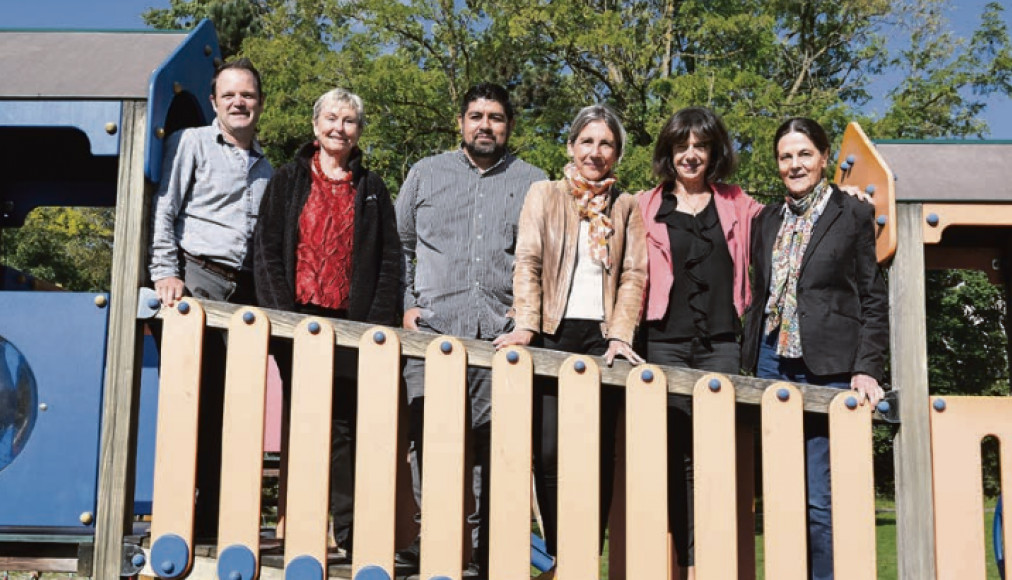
{"type": "Point", "coordinates": [586, 294]}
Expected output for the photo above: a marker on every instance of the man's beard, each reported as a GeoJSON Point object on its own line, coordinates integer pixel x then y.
{"type": "Point", "coordinates": [493, 151]}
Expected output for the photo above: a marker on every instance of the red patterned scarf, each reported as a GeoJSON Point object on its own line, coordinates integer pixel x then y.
{"type": "Point", "coordinates": [592, 199]}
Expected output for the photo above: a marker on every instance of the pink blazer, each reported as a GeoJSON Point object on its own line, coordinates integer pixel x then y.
{"type": "Point", "coordinates": [735, 208]}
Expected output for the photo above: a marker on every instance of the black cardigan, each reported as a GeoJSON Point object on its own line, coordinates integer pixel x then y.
{"type": "Point", "coordinates": [843, 305]}
{"type": "Point", "coordinates": [376, 249]}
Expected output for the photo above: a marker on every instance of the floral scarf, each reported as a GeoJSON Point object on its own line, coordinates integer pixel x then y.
{"type": "Point", "coordinates": [592, 199]}
{"type": "Point", "coordinates": [788, 252]}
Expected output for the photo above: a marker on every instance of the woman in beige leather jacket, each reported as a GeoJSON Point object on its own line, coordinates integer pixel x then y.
{"type": "Point", "coordinates": [578, 285]}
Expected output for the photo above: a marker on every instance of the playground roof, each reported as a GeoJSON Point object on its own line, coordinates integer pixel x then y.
{"type": "Point", "coordinates": [81, 65]}
{"type": "Point", "coordinates": [961, 171]}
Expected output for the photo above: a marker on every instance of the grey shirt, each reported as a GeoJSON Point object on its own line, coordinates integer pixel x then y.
{"type": "Point", "coordinates": [208, 200]}
{"type": "Point", "coordinates": [458, 228]}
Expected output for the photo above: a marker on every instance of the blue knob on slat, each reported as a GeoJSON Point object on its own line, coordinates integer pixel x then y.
{"type": "Point", "coordinates": [379, 337]}
{"type": "Point", "coordinates": [183, 308]}
{"type": "Point", "coordinates": [714, 385]}
{"type": "Point", "coordinates": [237, 562]}
{"type": "Point", "coordinates": [372, 573]}
{"type": "Point", "coordinates": [933, 219]}
{"type": "Point", "coordinates": [313, 327]}
{"type": "Point", "coordinates": [884, 407]}
{"type": "Point", "coordinates": [851, 403]}
{"type": "Point", "coordinates": [248, 317]}
{"type": "Point", "coordinates": [881, 220]}
{"type": "Point", "coordinates": [647, 375]}
{"type": "Point", "coordinates": [172, 554]}
{"type": "Point", "coordinates": [939, 405]}
{"type": "Point", "coordinates": [304, 568]}
{"type": "Point", "coordinates": [783, 394]}
{"type": "Point", "coordinates": [446, 347]}
{"type": "Point", "coordinates": [513, 357]}
{"type": "Point", "coordinates": [580, 366]}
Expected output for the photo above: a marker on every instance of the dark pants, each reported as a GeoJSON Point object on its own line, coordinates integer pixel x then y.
{"type": "Point", "coordinates": [820, 521]}
{"type": "Point", "coordinates": [583, 337]}
{"type": "Point", "coordinates": [721, 356]}
{"type": "Point", "coordinates": [204, 284]}
{"type": "Point", "coordinates": [344, 408]}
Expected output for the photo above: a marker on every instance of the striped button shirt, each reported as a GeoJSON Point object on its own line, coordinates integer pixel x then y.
{"type": "Point", "coordinates": [207, 202]}
{"type": "Point", "coordinates": [458, 228]}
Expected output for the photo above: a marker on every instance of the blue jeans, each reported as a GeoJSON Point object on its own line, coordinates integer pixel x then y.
{"type": "Point", "coordinates": [820, 521]}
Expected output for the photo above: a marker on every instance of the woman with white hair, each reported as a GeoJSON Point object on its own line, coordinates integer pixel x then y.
{"type": "Point", "coordinates": [326, 244]}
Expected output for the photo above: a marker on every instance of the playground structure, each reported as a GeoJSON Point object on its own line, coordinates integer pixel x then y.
{"type": "Point", "coordinates": [926, 218]}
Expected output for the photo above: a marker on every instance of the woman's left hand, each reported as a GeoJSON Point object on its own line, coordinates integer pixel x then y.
{"type": "Point", "coordinates": [854, 191]}
{"type": "Point", "coordinates": [868, 387]}
{"type": "Point", "coordinates": [620, 348]}
{"type": "Point", "coordinates": [517, 337]}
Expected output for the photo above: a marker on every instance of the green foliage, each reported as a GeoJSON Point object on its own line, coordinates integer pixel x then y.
{"type": "Point", "coordinates": [71, 247]}
{"type": "Point", "coordinates": [234, 20]}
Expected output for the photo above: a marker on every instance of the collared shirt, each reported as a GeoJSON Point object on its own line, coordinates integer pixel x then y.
{"type": "Point", "coordinates": [458, 228]}
{"type": "Point", "coordinates": [208, 201]}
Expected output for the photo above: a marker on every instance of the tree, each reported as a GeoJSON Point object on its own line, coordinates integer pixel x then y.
{"type": "Point", "coordinates": [71, 247]}
{"type": "Point", "coordinates": [234, 20]}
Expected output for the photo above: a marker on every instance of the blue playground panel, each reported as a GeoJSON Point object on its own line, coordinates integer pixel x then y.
{"type": "Point", "coordinates": [53, 480]}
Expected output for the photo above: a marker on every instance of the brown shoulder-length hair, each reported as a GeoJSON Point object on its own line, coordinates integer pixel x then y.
{"type": "Point", "coordinates": [708, 127]}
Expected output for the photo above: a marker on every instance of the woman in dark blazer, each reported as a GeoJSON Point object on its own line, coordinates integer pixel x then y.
{"type": "Point", "coordinates": [326, 244]}
{"type": "Point", "coordinates": [819, 313]}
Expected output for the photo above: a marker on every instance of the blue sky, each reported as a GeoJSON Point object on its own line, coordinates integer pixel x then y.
{"type": "Point", "coordinates": [125, 14]}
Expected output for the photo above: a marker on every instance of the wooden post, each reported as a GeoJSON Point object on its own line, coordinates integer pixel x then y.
{"type": "Point", "coordinates": [123, 358]}
{"type": "Point", "coordinates": [915, 539]}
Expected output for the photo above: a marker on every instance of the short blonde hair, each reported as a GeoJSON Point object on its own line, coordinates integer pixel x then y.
{"type": "Point", "coordinates": [340, 96]}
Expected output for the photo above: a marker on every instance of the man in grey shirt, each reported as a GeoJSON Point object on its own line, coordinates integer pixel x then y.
{"type": "Point", "coordinates": [457, 216]}
{"type": "Point", "coordinates": [204, 214]}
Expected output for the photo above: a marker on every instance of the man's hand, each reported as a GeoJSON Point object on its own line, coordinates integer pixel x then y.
{"type": "Point", "coordinates": [517, 337]}
{"type": "Point", "coordinates": [169, 290]}
{"type": "Point", "coordinates": [411, 316]}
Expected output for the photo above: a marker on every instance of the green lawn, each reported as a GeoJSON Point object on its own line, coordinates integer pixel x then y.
{"type": "Point", "coordinates": [885, 536]}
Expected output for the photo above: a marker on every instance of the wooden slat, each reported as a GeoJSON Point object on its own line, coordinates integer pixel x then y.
{"type": "Point", "coordinates": [176, 434]}
{"type": "Point", "coordinates": [242, 438]}
{"type": "Point", "coordinates": [309, 442]}
{"type": "Point", "coordinates": [579, 468]}
{"type": "Point", "coordinates": [963, 214]}
{"type": "Point", "coordinates": [869, 168]}
{"type": "Point", "coordinates": [546, 362]}
{"type": "Point", "coordinates": [715, 494]}
{"type": "Point", "coordinates": [446, 401]}
{"type": "Point", "coordinates": [647, 473]}
{"type": "Point", "coordinates": [510, 533]}
{"type": "Point", "coordinates": [376, 438]}
{"type": "Point", "coordinates": [909, 367]}
{"type": "Point", "coordinates": [956, 434]}
{"type": "Point", "coordinates": [784, 505]}
{"type": "Point", "coordinates": [123, 359]}
{"type": "Point", "coordinates": [853, 484]}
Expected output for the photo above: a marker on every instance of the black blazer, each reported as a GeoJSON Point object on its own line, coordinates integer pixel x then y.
{"type": "Point", "coordinates": [376, 248]}
{"type": "Point", "coordinates": [842, 301]}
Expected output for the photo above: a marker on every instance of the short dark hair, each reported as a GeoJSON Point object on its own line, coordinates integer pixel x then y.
{"type": "Point", "coordinates": [707, 127]}
{"type": "Point", "coordinates": [489, 92]}
{"type": "Point", "coordinates": [806, 127]}
{"type": "Point", "coordinates": [238, 64]}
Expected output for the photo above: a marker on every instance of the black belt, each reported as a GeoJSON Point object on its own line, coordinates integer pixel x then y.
{"type": "Point", "coordinates": [230, 274]}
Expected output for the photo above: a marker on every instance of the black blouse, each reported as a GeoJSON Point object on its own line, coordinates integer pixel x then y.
{"type": "Point", "coordinates": [701, 303]}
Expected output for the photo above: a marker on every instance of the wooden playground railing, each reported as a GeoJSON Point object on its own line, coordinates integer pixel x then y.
{"type": "Point", "coordinates": [580, 381]}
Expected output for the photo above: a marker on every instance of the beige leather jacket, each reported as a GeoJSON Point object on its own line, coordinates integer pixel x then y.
{"type": "Point", "coordinates": [546, 258]}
